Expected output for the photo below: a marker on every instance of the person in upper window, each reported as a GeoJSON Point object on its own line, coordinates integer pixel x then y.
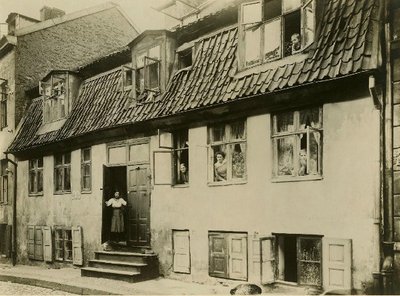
{"type": "Point", "coordinates": [117, 221]}
{"type": "Point", "coordinates": [296, 43]}
{"type": "Point", "coordinates": [220, 167]}
{"type": "Point", "coordinates": [302, 162]}
{"type": "Point", "coordinates": [183, 177]}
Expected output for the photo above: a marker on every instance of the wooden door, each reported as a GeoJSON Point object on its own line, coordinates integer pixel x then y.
{"type": "Point", "coordinates": [218, 254]}
{"type": "Point", "coordinates": [138, 205]}
{"type": "Point", "coordinates": [237, 256]}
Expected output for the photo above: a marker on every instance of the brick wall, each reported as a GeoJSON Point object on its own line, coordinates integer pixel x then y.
{"type": "Point", "coordinates": [67, 45]}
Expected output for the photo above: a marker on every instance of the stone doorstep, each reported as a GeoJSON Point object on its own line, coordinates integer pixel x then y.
{"type": "Point", "coordinates": [53, 285]}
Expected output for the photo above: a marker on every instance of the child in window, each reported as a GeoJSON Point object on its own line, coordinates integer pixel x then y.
{"type": "Point", "coordinates": [117, 221]}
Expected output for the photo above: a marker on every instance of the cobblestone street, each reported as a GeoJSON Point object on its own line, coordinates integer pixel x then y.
{"type": "Point", "coordinates": [8, 288]}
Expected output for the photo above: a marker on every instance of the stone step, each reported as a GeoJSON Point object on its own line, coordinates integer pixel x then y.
{"type": "Point", "coordinates": [129, 276]}
{"type": "Point", "coordinates": [118, 265]}
{"type": "Point", "coordinates": [126, 257]}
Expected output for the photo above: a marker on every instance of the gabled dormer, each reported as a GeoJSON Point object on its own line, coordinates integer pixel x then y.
{"type": "Point", "coordinates": [152, 61]}
{"type": "Point", "coordinates": [59, 89]}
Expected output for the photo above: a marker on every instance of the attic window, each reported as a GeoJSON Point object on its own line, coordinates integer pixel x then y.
{"type": "Point", "coordinates": [55, 98]}
{"type": "Point", "coordinates": [148, 70]}
{"type": "Point", "coordinates": [185, 58]}
{"type": "Point", "coordinates": [273, 29]}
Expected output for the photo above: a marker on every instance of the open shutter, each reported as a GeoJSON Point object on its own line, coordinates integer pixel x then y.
{"type": "Point", "coordinates": [267, 260]}
{"type": "Point", "coordinates": [162, 167]}
{"type": "Point", "coordinates": [47, 244]}
{"type": "Point", "coordinates": [31, 242]}
{"type": "Point", "coordinates": [238, 256]}
{"type": "Point", "coordinates": [181, 244]}
{"type": "Point", "coordinates": [38, 243]}
{"type": "Point", "coordinates": [308, 23]}
{"type": "Point", "coordinates": [336, 264]}
{"type": "Point", "coordinates": [256, 259]}
{"type": "Point", "coordinates": [217, 255]}
{"type": "Point", "coordinates": [77, 246]}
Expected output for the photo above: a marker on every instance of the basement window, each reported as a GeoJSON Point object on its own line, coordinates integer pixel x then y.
{"type": "Point", "coordinates": [273, 29]}
{"type": "Point", "coordinates": [63, 244]}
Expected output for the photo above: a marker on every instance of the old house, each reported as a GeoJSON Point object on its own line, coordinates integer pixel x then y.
{"type": "Point", "coordinates": [27, 53]}
{"type": "Point", "coordinates": [249, 145]}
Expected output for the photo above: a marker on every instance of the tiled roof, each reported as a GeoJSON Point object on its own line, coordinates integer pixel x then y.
{"type": "Point", "coordinates": [347, 44]}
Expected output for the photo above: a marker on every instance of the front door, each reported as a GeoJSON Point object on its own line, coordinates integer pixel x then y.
{"type": "Point", "coordinates": [138, 205]}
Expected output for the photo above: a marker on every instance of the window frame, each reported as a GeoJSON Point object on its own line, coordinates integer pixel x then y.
{"type": "Point", "coordinates": [60, 244]}
{"type": "Point", "coordinates": [3, 104]}
{"type": "Point", "coordinates": [145, 54]}
{"type": "Point", "coordinates": [85, 163]}
{"type": "Point", "coordinates": [38, 172]}
{"type": "Point", "coordinates": [228, 142]}
{"type": "Point", "coordinates": [276, 136]}
{"type": "Point", "coordinates": [261, 26]}
{"type": "Point", "coordinates": [62, 167]}
{"type": "Point", "coordinates": [176, 140]}
{"type": "Point", "coordinates": [56, 103]}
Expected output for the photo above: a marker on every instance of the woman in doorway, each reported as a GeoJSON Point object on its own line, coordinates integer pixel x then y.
{"type": "Point", "coordinates": [117, 221]}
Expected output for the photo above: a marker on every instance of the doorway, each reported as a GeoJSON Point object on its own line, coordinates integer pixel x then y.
{"type": "Point", "coordinates": [114, 179]}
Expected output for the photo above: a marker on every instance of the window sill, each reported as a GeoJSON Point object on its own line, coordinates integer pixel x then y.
{"type": "Point", "coordinates": [86, 191]}
{"type": "Point", "coordinates": [226, 183]}
{"type": "Point", "coordinates": [62, 192]}
{"type": "Point", "coordinates": [35, 194]}
{"type": "Point", "coordinates": [296, 179]}
{"type": "Point", "coordinates": [180, 186]}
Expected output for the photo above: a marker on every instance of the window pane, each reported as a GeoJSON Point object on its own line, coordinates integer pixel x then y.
{"type": "Point", "coordinates": [310, 117]}
{"type": "Point", "coordinates": [272, 8]}
{"type": "Point", "coordinates": [310, 273]}
{"type": "Point", "coordinates": [86, 170]}
{"type": "Point", "coordinates": [67, 179]}
{"type": "Point", "coordinates": [58, 159]}
{"type": "Point", "coordinates": [252, 38]}
{"type": "Point", "coordinates": [251, 13]}
{"type": "Point", "coordinates": [285, 156]}
{"type": "Point", "coordinates": [86, 154]}
{"type": "Point", "coordinates": [140, 80]}
{"type": "Point", "coordinates": [292, 33]}
{"type": "Point", "coordinates": [218, 133]}
{"type": "Point", "coordinates": [288, 5]}
{"type": "Point", "coordinates": [285, 122]}
{"type": "Point", "coordinates": [58, 177]}
{"type": "Point", "coordinates": [272, 40]}
{"type": "Point", "coordinates": [238, 130]}
{"type": "Point", "coordinates": [32, 164]}
{"type": "Point", "coordinates": [220, 163]}
{"type": "Point", "coordinates": [67, 158]}
{"type": "Point", "coordinates": [181, 166]}
{"type": "Point", "coordinates": [315, 140]}
{"type": "Point", "coordinates": [40, 180]}
{"type": "Point", "coordinates": [310, 249]}
{"type": "Point", "coordinates": [86, 182]}
{"type": "Point", "coordinates": [32, 181]}
{"type": "Point", "coordinates": [308, 24]}
{"type": "Point", "coordinates": [238, 161]}
{"type": "Point", "coordinates": [153, 72]}
{"type": "Point", "coordinates": [40, 162]}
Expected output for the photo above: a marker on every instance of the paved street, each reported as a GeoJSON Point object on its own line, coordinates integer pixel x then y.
{"type": "Point", "coordinates": [8, 288]}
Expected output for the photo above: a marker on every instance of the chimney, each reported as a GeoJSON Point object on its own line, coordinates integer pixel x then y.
{"type": "Point", "coordinates": [47, 13]}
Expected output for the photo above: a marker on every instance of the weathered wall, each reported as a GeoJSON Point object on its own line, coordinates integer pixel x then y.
{"type": "Point", "coordinates": [74, 209]}
{"type": "Point", "coordinates": [341, 205]}
{"type": "Point", "coordinates": [67, 46]}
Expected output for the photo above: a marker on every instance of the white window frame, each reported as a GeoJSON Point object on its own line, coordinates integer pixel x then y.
{"type": "Point", "coordinates": [228, 142]}
{"type": "Point", "coordinates": [61, 167]}
{"type": "Point", "coordinates": [60, 244]}
{"type": "Point", "coordinates": [148, 60]}
{"type": "Point", "coordinates": [261, 26]}
{"type": "Point", "coordinates": [275, 136]}
{"type": "Point", "coordinates": [38, 172]}
{"type": "Point", "coordinates": [85, 163]}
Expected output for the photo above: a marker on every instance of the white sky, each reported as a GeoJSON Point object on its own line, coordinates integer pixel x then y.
{"type": "Point", "coordinates": [139, 11]}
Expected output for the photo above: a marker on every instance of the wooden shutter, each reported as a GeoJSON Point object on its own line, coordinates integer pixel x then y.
{"type": "Point", "coordinates": [256, 260]}
{"type": "Point", "coordinates": [336, 264]}
{"type": "Point", "coordinates": [267, 260]}
{"type": "Point", "coordinates": [77, 245]}
{"type": "Point", "coordinates": [38, 237]}
{"type": "Point", "coordinates": [31, 242]}
{"type": "Point", "coordinates": [162, 167]}
{"type": "Point", "coordinates": [181, 248]}
{"type": "Point", "coordinates": [47, 244]}
{"type": "Point", "coordinates": [237, 256]}
{"type": "Point", "coordinates": [217, 255]}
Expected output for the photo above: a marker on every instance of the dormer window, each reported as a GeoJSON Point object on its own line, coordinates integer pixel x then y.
{"type": "Point", "coordinates": [55, 97]}
{"type": "Point", "coordinates": [148, 70]}
{"type": "Point", "coordinates": [273, 29]}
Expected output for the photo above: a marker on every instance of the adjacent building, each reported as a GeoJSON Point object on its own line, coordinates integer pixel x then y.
{"type": "Point", "coordinates": [253, 144]}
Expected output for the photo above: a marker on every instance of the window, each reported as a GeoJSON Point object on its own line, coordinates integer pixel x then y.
{"type": "Point", "coordinates": [185, 58]}
{"type": "Point", "coordinates": [62, 173]}
{"type": "Point", "coordinates": [297, 143]}
{"type": "Point", "coordinates": [36, 176]}
{"type": "Point", "coordinates": [86, 169]}
{"type": "Point", "coordinates": [55, 101]}
{"type": "Point", "coordinates": [63, 244]}
{"type": "Point", "coordinates": [3, 182]}
{"type": "Point", "coordinates": [3, 104]}
{"type": "Point", "coordinates": [181, 157]}
{"type": "Point", "coordinates": [300, 259]}
{"type": "Point", "coordinates": [227, 152]}
{"type": "Point", "coordinates": [227, 255]}
{"type": "Point", "coordinates": [272, 29]}
{"type": "Point", "coordinates": [148, 70]}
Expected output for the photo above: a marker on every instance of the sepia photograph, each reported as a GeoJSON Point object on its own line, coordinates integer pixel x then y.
{"type": "Point", "coordinates": [199, 147]}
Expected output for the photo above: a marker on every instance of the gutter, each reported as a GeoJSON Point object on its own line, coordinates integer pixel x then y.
{"type": "Point", "coordinates": [14, 210]}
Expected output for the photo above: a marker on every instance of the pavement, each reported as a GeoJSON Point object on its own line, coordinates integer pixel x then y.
{"type": "Point", "coordinates": [69, 280]}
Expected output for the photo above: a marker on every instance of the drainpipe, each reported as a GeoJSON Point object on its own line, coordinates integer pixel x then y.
{"type": "Point", "coordinates": [14, 210]}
